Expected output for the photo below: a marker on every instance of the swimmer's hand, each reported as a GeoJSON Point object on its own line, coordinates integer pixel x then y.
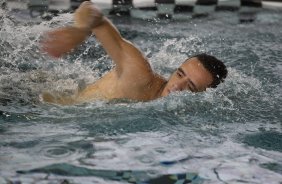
{"type": "Point", "coordinates": [61, 41]}
{"type": "Point", "coordinates": [58, 99]}
{"type": "Point", "coordinates": [88, 16]}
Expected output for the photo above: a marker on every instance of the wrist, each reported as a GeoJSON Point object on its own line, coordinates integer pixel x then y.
{"type": "Point", "coordinates": [98, 20]}
{"type": "Point", "coordinates": [82, 23]}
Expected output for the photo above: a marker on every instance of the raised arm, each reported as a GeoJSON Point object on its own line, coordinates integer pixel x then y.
{"type": "Point", "coordinates": [124, 54]}
{"type": "Point", "coordinates": [89, 19]}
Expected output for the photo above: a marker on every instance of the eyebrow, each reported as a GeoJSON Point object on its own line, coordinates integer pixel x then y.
{"type": "Point", "coordinates": [190, 82]}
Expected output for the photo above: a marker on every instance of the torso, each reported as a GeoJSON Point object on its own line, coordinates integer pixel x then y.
{"type": "Point", "coordinates": [111, 86]}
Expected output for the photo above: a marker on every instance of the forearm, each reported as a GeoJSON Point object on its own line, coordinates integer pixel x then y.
{"type": "Point", "coordinates": [110, 38]}
{"type": "Point", "coordinates": [90, 17]}
{"type": "Point", "coordinates": [121, 51]}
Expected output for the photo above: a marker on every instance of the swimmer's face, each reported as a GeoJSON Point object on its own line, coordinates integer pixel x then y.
{"type": "Point", "coordinates": [191, 76]}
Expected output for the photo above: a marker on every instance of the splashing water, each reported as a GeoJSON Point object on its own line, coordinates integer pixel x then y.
{"type": "Point", "coordinates": [231, 134]}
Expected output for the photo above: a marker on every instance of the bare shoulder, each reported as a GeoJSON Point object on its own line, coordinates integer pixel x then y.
{"type": "Point", "coordinates": [134, 61]}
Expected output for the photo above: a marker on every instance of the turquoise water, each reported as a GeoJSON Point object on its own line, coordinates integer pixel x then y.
{"type": "Point", "coordinates": [231, 134]}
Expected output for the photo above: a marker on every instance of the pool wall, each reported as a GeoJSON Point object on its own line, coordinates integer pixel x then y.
{"type": "Point", "coordinates": [147, 9]}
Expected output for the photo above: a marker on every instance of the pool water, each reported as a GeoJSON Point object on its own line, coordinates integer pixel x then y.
{"type": "Point", "coordinates": [231, 134]}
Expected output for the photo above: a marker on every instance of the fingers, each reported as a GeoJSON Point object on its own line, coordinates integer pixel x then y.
{"type": "Point", "coordinates": [87, 16]}
{"type": "Point", "coordinates": [47, 97]}
{"type": "Point", "coordinates": [86, 4]}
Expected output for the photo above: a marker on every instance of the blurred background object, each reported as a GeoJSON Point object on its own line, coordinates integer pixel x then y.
{"type": "Point", "coordinates": [150, 9]}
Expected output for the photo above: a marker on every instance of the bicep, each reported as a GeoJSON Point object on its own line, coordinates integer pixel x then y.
{"type": "Point", "coordinates": [124, 54]}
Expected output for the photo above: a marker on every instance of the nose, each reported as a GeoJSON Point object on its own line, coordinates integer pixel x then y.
{"type": "Point", "coordinates": [179, 86]}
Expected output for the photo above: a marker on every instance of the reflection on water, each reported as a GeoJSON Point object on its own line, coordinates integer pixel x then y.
{"type": "Point", "coordinates": [265, 140]}
{"type": "Point", "coordinates": [231, 134]}
{"type": "Point", "coordinates": [123, 176]}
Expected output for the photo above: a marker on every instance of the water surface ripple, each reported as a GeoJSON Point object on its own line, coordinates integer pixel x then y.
{"type": "Point", "coordinates": [231, 134]}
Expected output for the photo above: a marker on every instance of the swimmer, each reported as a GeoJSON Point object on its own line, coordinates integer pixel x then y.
{"type": "Point", "coordinates": [132, 77]}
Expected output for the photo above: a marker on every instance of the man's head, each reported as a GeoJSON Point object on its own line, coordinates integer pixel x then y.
{"type": "Point", "coordinates": [196, 74]}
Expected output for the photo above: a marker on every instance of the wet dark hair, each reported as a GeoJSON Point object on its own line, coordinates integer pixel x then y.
{"type": "Point", "coordinates": [215, 67]}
